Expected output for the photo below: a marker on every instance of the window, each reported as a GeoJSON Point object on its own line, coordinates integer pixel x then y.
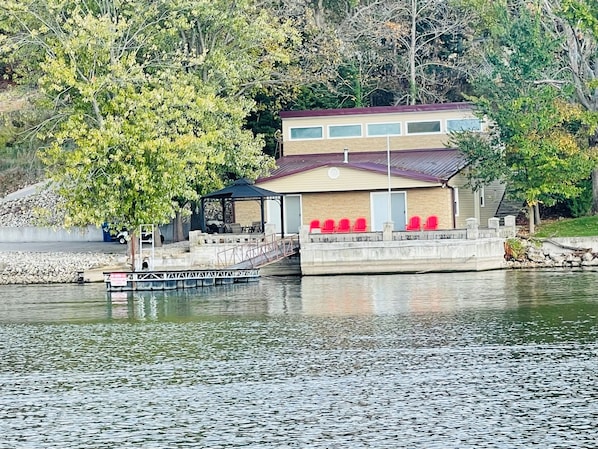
{"type": "Point", "coordinates": [464, 124]}
{"type": "Point", "coordinates": [384, 129]}
{"type": "Point", "coordinates": [423, 127]}
{"type": "Point", "coordinates": [339, 131]}
{"type": "Point", "coordinates": [307, 132]}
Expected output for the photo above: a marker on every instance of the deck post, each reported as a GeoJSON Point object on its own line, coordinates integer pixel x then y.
{"type": "Point", "coordinates": [510, 222]}
{"type": "Point", "coordinates": [494, 223]}
{"type": "Point", "coordinates": [472, 228]}
{"type": "Point", "coordinates": [387, 229]}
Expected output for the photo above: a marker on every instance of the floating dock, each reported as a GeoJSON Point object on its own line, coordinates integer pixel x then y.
{"type": "Point", "coordinates": [126, 281]}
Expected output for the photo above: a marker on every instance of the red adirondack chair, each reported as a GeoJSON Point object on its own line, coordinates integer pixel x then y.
{"type": "Point", "coordinates": [415, 224]}
{"type": "Point", "coordinates": [314, 224]}
{"type": "Point", "coordinates": [329, 226]}
{"type": "Point", "coordinates": [431, 223]}
{"type": "Point", "coordinates": [344, 225]}
{"type": "Point", "coordinates": [360, 225]}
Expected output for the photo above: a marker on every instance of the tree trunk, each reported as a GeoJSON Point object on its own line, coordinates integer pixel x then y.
{"type": "Point", "coordinates": [595, 191]}
{"type": "Point", "coordinates": [530, 216]}
{"type": "Point", "coordinates": [157, 237]}
{"type": "Point", "coordinates": [178, 235]}
{"type": "Point", "coordinates": [132, 246]}
{"type": "Point", "coordinates": [412, 52]}
{"type": "Point", "coordinates": [537, 219]}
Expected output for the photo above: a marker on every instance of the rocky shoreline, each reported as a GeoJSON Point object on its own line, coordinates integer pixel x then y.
{"type": "Point", "coordinates": [23, 267]}
{"type": "Point", "coordinates": [17, 267]}
{"type": "Point", "coordinates": [550, 254]}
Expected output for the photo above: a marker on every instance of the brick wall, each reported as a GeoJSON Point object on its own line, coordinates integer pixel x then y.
{"type": "Point", "coordinates": [426, 202]}
{"type": "Point", "coordinates": [246, 212]}
{"type": "Point", "coordinates": [422, 202]}
{"type": "Point", "coordinates": [336, 205]}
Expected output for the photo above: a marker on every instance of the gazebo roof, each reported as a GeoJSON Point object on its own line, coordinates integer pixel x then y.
{"type": "Point", "coordinates": [242, 189]}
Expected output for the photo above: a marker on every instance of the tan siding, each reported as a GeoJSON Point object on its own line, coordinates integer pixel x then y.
{"type": "Point", "coordinates": [246, 212]}
{"type": "Point", "coordinates": [422, 202]}
{"type": "Point", "coordinates": [466, 201]}
{"type": "Point", "coordinates": [426, 202]}
{"type": "Point", "coordinates": [365, 143]}
{"type": "Point", "coordinates": [466, 207]}
{"type": "Point", "coordinates": [493, 194]}
{"type": "Point", "coordinates": [397, 143]}
{"type": "Point", "coordinates": [336, 206]}
{"type": "Point", "coordinates": [469, 202]}
{"type": "Point", "coordinates": [317, 180]}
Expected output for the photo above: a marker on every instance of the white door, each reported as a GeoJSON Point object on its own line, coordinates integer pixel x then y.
{"type": "Point", "coordinates": [292, 214]}
{"type": "Point", "coordinates": [380, 213]}
{"type": "Point", "coordinates": [273, 214]}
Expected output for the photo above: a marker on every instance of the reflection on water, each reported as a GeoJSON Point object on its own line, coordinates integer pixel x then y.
{"type": "Point", "coordinates": [467, 360]}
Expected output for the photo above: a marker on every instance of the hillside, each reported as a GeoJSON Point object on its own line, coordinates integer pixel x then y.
{"type": "Point", "coordinates": [17, 166]}
{"type": "Point", "coordinates": [25, 208]}
{"type": "Point", "coordinates": [13, 179]}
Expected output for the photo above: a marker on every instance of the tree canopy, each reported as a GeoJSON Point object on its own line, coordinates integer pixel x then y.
{"type": "Point", "coordinates": [142, 106]}
{"type": "Point", "coordinates": [538, 139]}
{"type": "Point", "coordinates": [148, 100]}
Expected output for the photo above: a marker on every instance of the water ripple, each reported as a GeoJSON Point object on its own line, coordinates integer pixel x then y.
{"type": "Point", "coordinates": [276, 371]}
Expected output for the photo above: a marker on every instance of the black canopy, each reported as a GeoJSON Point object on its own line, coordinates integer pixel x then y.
{"type": "Point", "coordinates": [243, 190]}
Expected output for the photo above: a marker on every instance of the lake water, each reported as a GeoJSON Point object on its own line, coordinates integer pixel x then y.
{"type": "Point", "coordinates": [505, 359]}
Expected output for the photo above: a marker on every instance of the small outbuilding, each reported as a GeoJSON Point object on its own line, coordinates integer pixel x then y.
{"type": "Point", "coordinates": [233, 198]}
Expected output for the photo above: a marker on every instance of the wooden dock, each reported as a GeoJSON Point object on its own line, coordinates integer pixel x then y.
{"type": "Point", "coordinates": [123, 281]}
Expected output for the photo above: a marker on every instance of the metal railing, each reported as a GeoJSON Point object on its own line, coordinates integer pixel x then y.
{"type": "Point", "coordinates": [345, 237]}
{"type": "Point", "coordinates": [439, 234]}
{"type": "Point", "coordinates": [232, 239]}
{"type": "Point", "coordinates": [268, 250]}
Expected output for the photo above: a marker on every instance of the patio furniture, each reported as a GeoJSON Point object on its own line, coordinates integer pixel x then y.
{"type": "Point", "coordinates": [360, 225]}
{"type": "Point", "coordinates": [414, 224]}
{"type": "Point", "coordinates": [329, 226]}
{"type": "Point", "coordinates": [314, 224]}
{"type": "Point", "coordinates": [431, 223]}
{"type": "Point", "coordinates": [344, 225]}
{"type": "Point", "coordinates": [233, 228]}
{"type": "Point", "coordinates": [257, 226]}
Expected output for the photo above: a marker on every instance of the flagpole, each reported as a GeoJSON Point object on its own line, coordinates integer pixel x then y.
{"type": "Point", "coordinates": [389, 205]}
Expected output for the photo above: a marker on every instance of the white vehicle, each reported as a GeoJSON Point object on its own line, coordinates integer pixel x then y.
{"type": "Point", "coordinates": [146, 237]}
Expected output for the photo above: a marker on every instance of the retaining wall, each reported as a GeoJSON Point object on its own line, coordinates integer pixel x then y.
{"type": "Point", "coordinates": [402, 256]}
{"type": "Point", "coordinates": [39, 234]}
{"type": "Point", "coordinates": [564, 245]}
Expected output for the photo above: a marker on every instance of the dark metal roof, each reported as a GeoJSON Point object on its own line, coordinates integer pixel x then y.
{"type": "Point", "coordinates": [432, 165]}
{"type": "Point", "coordinates": [242, 189]}
{"type": "Point", "coordinates": [378, 110]}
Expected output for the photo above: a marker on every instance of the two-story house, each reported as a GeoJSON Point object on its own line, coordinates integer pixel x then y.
{"type": "Point", "coordinates": [347, 163]}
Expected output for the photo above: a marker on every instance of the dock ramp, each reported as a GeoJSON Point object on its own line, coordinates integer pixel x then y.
{"type": "Point", "coordinates": [271, 250]}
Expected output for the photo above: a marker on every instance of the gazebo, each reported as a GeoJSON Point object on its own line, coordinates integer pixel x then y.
{"type": "Point", "coordinates": [241, 190]}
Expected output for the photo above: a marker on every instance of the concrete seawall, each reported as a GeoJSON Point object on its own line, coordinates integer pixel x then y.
{"type": "Point", "coordinates": [402, 256]}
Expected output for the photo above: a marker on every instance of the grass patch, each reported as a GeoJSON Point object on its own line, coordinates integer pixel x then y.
{"type": "Point", "coordinates": [569, 227]}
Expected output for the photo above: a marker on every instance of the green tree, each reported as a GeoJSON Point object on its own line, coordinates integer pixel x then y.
{"type": "Point", "coordinates": [576, 21]}
{"type": "Point", "coordinates": [149, 100]}
{"type": "Point", "coordinates": [537, 142]}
